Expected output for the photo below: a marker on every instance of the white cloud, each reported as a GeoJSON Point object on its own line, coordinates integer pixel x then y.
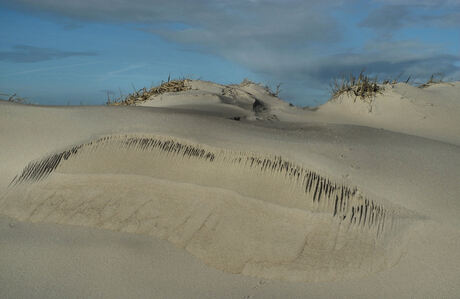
{"type": "Point", "coordinates": [26, 54]}
{"type": "Point", "coordinates": [126, 69]}
{"type": "Point", "coordinates": [45, 69]}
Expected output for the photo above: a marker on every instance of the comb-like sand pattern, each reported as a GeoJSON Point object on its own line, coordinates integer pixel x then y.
{"type": "Point", "coordinates": [241, 212]}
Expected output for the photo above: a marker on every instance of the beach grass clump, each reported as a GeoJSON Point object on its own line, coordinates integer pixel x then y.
{"type": "Point", "coordinates": [362, 86]}
{"type": "Point", "coordinates": [273, 92]}
{"type": "Point", "coordinates": [144, 94]}
{"type": "Point", "coordinates": [247, 82]}
{"type": "Point", "coordinates": [435, 78]}
{"type": "Point", "coordinates": [14, 99]}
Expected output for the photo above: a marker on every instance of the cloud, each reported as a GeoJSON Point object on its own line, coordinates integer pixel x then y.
{"type": "Point", "coordinates": [239, 30]}
{"type": "Point", "coordinates": [25, 53]}
{"type": "Point", "coordinates": [199, 11]}
{"type": "Point", "coordinates": [434, 3]}
{"type": "Point", "coordinates": [46, 69]}
{"type": "Point", "coordinates": [386, 59]}
{"type": "Point", "coordinates": [220, 23]}
{"type": "Point", "coordinates": [298, 42]}
{"type": "Point", "coordinates": [445, 20]}
{"type": "Point", "coordinates": [389, 18]}
{"type": "Point", "coordinates": [418, 68]}
{"type": "Point", "coordinates": [126, 69]}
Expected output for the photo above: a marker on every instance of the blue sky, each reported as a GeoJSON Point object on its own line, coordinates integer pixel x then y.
{"type": "Point", "coordinates": [60, 52]}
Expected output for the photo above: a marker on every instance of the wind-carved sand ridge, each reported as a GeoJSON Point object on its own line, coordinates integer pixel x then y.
{"type": "Point", "coordinates": [240, 212]}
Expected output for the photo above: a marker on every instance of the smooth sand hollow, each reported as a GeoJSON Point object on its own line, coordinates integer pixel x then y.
{"type": "Point", "coordinates": [218, 186]}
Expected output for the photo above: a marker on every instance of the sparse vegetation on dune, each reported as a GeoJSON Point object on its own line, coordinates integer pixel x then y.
{"type": "Point", "coordinates": [247, 82]}
{"type": "Point", "coordinates": [13, 98]}
{"type": "Point", "coordinates": [435, 78]}
{"type": "Point", "coordinates": [362, 87]}
{"type": "Point", "coordinates": [274, 93]}
{"type": "Point", "coordinates": [175, 85]}
{"type": "Point", "coordinates": [366, 88]}
{"type": "Point", "coordinates": [144, 93]}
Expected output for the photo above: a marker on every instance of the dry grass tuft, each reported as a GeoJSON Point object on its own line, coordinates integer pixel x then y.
{"type": "Point", "coordinates": [274, 93]}
{"type": "Point", "coordinates": [14, 99]}
{"type": "Point", "coordinates": [247, 82]}
{"type": "Point", "coordinates": [435, 78]}
{"type": "Point", "coordinates": [362, 87]}
{"type": "Point", "coordinates": [143, 94]}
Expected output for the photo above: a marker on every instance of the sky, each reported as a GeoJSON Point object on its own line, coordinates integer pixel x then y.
{"type": "Point", "coordinates": [67, 52]}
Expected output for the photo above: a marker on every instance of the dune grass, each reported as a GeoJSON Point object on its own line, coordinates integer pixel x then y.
{"type": "Point", "coordinates": [435, 78]}
{"type": "Point", "coordinates": [144, 94]}
{"type": "Point", "coordinates": [14, 99]}
{"type": "Point", "coordinates": [362, 86]}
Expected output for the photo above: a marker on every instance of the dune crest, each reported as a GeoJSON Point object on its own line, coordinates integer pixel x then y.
{"type": "Point", "coordinates": [430, 112]}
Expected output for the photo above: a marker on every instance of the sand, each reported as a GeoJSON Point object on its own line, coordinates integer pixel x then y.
{"type": "Point", "coordinates": [227, 191]}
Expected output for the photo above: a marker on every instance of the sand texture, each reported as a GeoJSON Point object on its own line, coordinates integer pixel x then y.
{"type": "Point", "coordinates": [227, 191]}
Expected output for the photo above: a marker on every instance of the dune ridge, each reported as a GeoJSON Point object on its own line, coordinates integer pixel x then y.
{"type": "Point", "coordinates": [430, 112]}
{"type": "Point", "coordinates": [346, 202]}
{"type": "Point", "coordinates": [338, 211]}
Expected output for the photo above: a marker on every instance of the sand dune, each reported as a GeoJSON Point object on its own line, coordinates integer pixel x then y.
{"type": "Point", "coordinates": [278, 209]}
{"type": "Point", "coordinates": [247, 100]}
{"type": "Point", "coordinates": [247, 184]}
{"type": "Point", "coordinates": [430, 112]}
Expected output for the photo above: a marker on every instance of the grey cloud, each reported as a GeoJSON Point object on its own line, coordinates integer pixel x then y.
{"type": "Point", "coordinates": [199, 11]}
{"type": "Point", "coordinates": [70, 25]}
{"type": "Point", "coordinates": [25, 53]}
{"type": "Point", "coordinates": [266, 22]}
{"type": "Point", "coordinates": [265, 40]}
{"type": "Point", "coordinates": [434, 3]}
{"type": "Point", "coordinates": [387, 60]}
{"type": "Point", "coordinates": [418, 68]}
{"type": "Point", "coordinates": [446, 20]}
{"type": "Point", "coordinates": [226, 27]}
{"type": "Point", "coordinates": [389, 18]}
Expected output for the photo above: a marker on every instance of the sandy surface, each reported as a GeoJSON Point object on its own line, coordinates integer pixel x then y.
{"type": "Point", "coordinates": [227, 191]}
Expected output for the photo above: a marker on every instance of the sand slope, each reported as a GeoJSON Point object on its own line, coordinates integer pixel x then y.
{"type": "Point", "coordinates": [430, 112]}
{"type": "Point", "coordinates": [336, 209]}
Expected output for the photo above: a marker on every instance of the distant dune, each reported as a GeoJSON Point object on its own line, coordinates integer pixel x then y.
{"type": "Point", "coordinates": [354, 198]}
